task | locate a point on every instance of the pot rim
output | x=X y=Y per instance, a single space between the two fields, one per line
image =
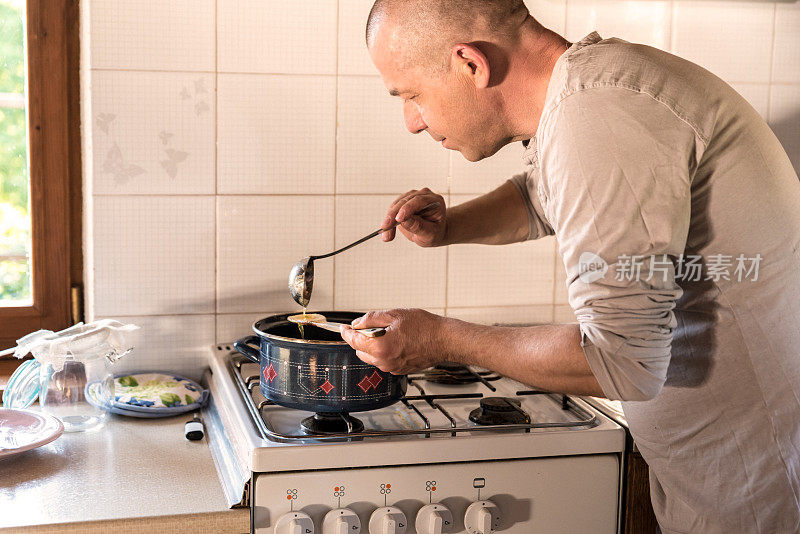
x=261 y=333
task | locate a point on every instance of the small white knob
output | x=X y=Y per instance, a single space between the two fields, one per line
x=482 y=517
x=434 y=519
x=388 y=520
x=341 y=521
x=294 y=523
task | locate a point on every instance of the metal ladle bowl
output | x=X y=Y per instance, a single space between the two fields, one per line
x=301 y=277
x=301 y=281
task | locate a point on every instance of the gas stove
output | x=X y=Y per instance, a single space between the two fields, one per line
x=465 y=450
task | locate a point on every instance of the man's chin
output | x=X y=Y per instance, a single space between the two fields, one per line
x=471 y=155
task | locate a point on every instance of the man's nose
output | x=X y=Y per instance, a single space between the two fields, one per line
x=413 y=118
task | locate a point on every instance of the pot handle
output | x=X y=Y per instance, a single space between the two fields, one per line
x=245 y=347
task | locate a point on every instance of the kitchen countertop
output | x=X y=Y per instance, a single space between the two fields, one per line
x=129 y=475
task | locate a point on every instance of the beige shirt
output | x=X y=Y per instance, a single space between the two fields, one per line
x=643 y=157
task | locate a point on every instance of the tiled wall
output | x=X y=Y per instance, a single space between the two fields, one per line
x=225 y=139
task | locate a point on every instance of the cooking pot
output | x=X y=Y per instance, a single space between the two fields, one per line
x=319 y=374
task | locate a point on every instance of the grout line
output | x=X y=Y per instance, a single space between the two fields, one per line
x=249 y=73
x=251 y=195
x=335 y=155
x=447 y=269
x=772 y=60
x=275 y=311
x=216 y=165
x=672 y=27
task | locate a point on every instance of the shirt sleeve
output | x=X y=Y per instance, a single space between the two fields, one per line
x=618 y=174
x=527 y=185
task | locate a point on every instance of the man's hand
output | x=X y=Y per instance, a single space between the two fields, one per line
x=409 y=344
x=425 y=229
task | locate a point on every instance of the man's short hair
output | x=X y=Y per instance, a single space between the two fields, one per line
x=429 y=28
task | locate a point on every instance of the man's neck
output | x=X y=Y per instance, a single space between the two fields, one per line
x=530 y=68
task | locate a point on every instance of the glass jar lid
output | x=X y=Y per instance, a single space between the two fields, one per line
x=23 y=386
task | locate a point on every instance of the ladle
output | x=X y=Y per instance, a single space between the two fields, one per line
x=301 y=277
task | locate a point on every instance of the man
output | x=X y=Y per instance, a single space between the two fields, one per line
x=635 y=157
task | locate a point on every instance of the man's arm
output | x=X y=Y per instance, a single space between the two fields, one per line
x=496 y=218
x=548 y=357
x=508 y=214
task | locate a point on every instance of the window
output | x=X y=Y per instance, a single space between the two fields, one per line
x=15 y=220
x=40 y=254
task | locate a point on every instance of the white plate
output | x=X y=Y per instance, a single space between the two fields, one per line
x=23 y=430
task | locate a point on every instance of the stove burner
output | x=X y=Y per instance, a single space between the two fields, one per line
x=499 y=411
x=450 y=373
x=331 y=423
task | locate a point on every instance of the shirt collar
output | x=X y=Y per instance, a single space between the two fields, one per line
x=529 y=155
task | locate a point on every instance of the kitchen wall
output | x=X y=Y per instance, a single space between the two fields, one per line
x=226 y=139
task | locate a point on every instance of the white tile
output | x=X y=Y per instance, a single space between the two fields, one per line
x=550 y=13
x=153 y=255
x=757 y=94
x=259 y=239
x=784 y=118
x=632 y=20
x=506 y=275
x=153 y=132
x=786 y=66
x=563 y=314
x=487 y=174
x=152 y=34
x=703 y=32
x=233 y=326
x=353 y=54
x=277 y=36
x=561 y=295
x=508 y=315
x=169 y=343
x=276 y=134
x=375 y=152
x=376 y=275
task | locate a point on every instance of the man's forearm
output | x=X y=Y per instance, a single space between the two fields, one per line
x=549 y=357
x=496 y=218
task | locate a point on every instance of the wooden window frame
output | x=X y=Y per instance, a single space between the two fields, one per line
x=53 y=89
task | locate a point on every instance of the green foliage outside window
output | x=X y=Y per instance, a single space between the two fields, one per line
x=15 y=225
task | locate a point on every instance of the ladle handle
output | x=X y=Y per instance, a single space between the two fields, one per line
x=334 y=327
x=370 y=236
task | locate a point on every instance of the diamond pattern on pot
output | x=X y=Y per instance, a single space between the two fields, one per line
x=326 y=387
x=375 y=378
x=270 y=373
x=365 y=384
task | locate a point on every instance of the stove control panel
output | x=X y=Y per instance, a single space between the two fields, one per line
x=341 y=521
x=547 y=495
x=388 y=520
x=294 y=523
x=434 y=519
x=482 y=517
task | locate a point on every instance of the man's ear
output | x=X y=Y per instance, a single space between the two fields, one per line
x=471 y=62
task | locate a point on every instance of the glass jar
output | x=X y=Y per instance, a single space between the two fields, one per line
x=76 y=388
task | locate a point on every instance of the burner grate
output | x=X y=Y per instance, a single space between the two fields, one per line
x=260 y=412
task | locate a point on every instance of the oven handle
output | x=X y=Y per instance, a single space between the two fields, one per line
x=245 y=346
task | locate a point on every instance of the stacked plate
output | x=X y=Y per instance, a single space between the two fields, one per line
x=148 y=394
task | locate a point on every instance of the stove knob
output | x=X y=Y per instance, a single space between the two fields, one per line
x=387 y=520
x=482 y=517
x=341 y=521
x=434 y=519
x=294 y=523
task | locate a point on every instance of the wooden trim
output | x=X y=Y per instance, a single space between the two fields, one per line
x=55 y=176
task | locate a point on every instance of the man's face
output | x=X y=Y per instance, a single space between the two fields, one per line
x=445 y=104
